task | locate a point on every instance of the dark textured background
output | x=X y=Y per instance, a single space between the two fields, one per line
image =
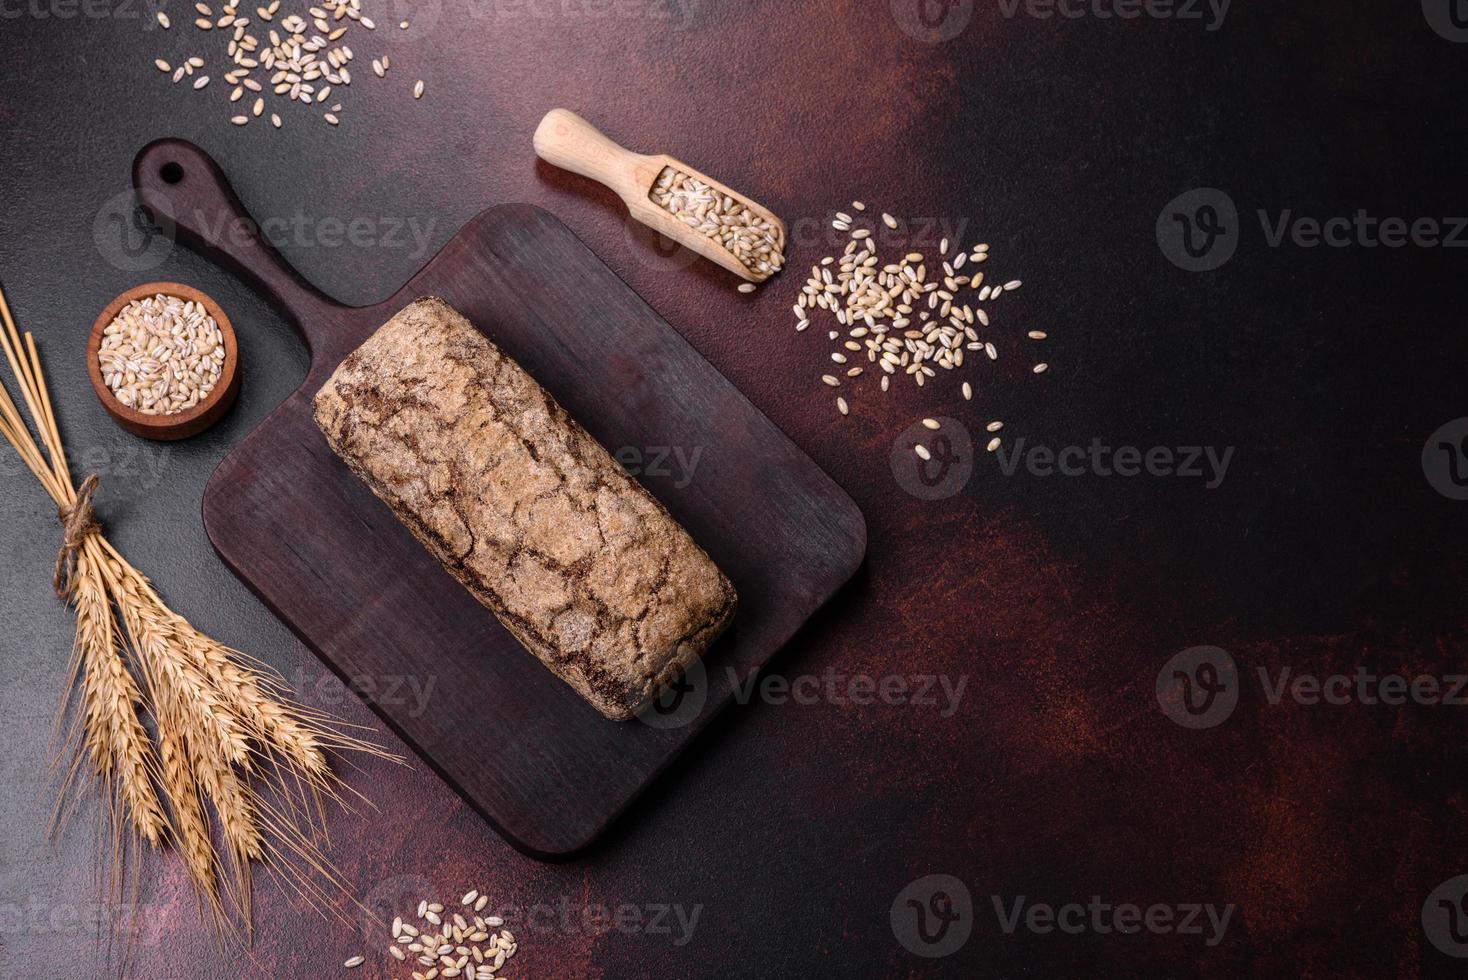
x=794 y=827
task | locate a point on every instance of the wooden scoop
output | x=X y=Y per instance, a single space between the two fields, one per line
x=570 y=142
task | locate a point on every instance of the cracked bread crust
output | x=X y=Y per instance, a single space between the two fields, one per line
x=524 y=507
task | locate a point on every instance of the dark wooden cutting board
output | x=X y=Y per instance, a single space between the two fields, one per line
x=333 y=562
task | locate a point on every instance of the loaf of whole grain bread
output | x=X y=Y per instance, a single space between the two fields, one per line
x=524 y=507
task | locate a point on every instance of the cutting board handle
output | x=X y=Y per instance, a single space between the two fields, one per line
x=186 y=194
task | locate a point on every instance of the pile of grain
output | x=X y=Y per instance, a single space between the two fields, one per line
x=161 y=355
x=902 y=318
x=469 y=944
x=304 y=59
x=750 y=238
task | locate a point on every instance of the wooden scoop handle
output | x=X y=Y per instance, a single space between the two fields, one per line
x=571 y=143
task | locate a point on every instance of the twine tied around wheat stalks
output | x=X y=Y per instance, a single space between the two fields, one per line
x=78 y=522
x=232 y=771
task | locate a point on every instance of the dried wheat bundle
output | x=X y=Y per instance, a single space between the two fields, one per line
x=221 y=723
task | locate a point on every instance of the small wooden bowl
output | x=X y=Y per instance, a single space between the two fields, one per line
x=183 y=424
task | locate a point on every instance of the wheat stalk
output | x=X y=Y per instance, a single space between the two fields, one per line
x=221 y=717
x=121 y=754
x=207 y=717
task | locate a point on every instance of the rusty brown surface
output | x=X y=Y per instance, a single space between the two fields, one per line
x=792 y=828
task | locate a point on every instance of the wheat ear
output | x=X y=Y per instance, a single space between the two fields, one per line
x=221 y=717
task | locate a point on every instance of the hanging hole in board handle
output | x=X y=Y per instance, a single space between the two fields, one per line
x=171 y=172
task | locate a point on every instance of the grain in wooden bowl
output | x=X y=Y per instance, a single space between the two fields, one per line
x=164 y=361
